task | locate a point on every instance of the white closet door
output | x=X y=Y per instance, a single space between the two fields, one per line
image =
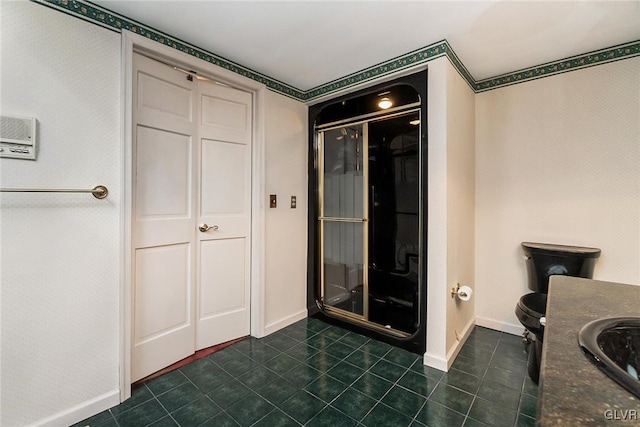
x=164 y=216
x=225 y=134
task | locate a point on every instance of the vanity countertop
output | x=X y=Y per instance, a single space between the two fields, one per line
x=573 y=391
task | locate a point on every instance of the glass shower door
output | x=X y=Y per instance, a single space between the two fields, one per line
x=369 y=185
x=394 y=225
x=343 y=219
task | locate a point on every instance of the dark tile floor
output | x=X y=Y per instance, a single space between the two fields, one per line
x=314 y=374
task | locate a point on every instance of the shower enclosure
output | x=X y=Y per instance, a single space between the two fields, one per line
x=366 y=234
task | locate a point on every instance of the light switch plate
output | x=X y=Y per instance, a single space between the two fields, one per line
x=293 y=202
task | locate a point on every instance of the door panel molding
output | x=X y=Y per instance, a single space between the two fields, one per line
x=147 y=290
x=154 y=190
x=223 y=253
x=225 y=161
x=155 y=94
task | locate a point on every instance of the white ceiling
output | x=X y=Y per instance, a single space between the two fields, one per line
x=309 y=43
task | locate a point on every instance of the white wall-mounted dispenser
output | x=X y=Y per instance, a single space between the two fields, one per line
x=18 y=137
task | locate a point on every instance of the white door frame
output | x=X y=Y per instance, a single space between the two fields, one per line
x=131 y=42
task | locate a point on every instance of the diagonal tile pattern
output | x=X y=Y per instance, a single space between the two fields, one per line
x=315 y=374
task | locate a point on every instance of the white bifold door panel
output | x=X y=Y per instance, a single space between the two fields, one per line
x=192 y=167
x=225 y=206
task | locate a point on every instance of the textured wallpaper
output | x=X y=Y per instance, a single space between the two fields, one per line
x=60 y=266
x=558 y=161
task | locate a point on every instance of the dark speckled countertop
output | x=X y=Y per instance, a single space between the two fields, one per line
x=573 y=392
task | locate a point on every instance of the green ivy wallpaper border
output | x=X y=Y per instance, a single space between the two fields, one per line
x=95 y=14
x=101 y=16
x=409 y=60
x=602 y=56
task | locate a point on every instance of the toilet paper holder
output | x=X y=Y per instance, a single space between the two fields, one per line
x=456 y=291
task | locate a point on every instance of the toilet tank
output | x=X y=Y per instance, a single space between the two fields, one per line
x=544 y=260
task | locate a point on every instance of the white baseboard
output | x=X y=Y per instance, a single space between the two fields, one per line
x=435 y=362
x=444 y=363
x=510 y=328
x=80 y=412
x=462 y=338
x=283 y=323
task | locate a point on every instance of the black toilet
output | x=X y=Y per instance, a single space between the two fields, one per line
x=544 y=260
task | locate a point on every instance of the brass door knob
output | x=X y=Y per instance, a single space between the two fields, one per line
x=205 y=227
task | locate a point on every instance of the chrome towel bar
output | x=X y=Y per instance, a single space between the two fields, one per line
x=99 y=191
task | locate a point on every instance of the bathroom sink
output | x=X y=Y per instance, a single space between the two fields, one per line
x=613 y=345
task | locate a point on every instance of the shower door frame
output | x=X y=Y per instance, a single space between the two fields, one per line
x=321 y=219
x=417 y=341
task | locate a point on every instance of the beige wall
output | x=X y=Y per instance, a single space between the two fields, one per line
x=286 y=229
x=558 y=161
x=460 y=205
x=450 y=256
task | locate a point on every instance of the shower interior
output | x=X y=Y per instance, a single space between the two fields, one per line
x=368 y=215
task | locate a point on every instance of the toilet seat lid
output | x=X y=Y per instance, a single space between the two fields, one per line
x=534 y=304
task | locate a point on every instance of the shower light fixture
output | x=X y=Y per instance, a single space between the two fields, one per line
x=385 y=103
